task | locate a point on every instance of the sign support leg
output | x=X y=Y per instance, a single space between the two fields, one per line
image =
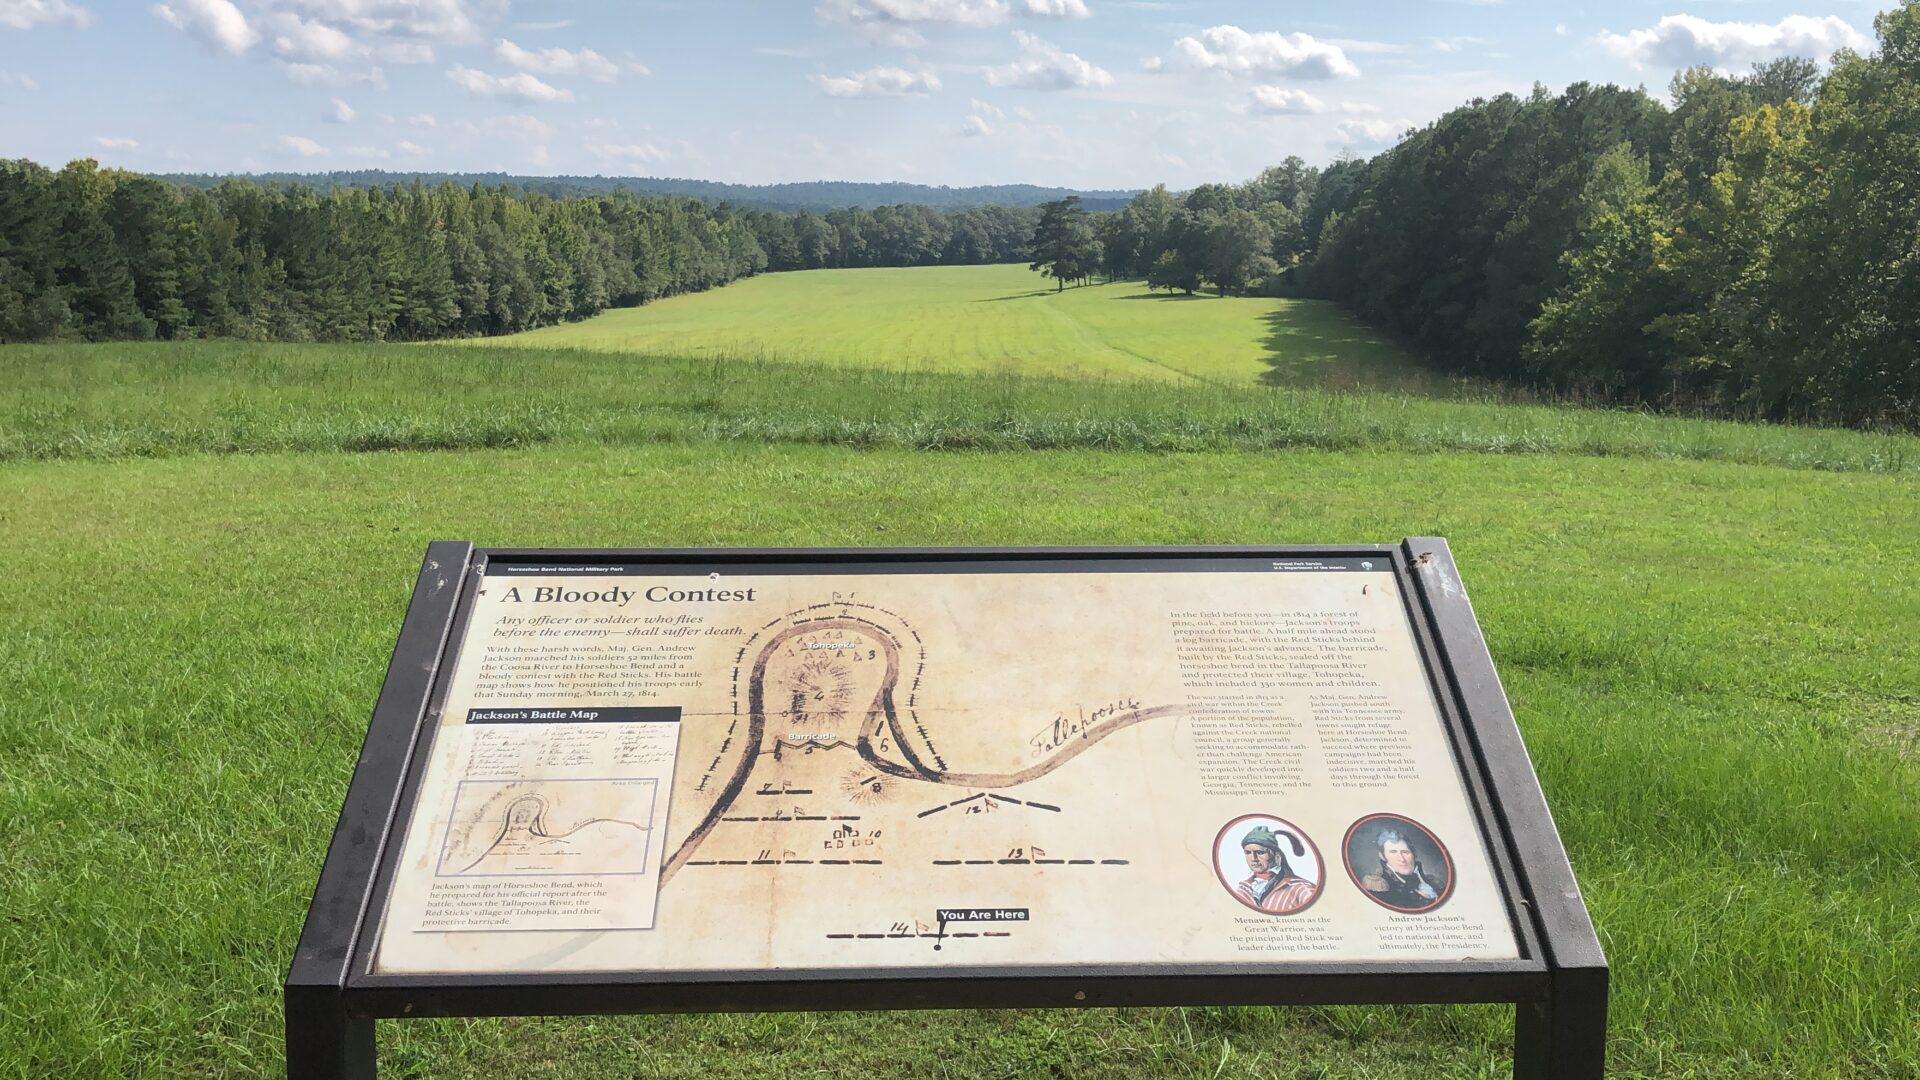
x=323 y=1041
x=1562 y=1035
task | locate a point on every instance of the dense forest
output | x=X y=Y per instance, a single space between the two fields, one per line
x=1753 y=248
x=814 y=196
x=94 y=254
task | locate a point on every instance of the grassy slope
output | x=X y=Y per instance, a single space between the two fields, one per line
x=1002 y=320
x=108 y=401
x=1713 y=664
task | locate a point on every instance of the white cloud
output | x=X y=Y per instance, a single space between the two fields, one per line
x=1372 y=133
x=958 y=12
x=521 y=87
x=1058 y=9
x=18 y=80
x=302 y=145
x=405 y=52
x=1278 y=100
x=582 y=62
x=420 y=20
x=986 y=108
x=1043 y=66
x=306 y=74
x=974 y=126
x=1235 y=51
x=637 y=153
x=340 y=113
x=422 y=120
x=304 y=39
x=27 y=14
x=1678 y=41
x=516 y=126
x=520 y=131
x=878 y=82
x=113 y=142
x=410 y=148
x=552 y=24
x=216 y=22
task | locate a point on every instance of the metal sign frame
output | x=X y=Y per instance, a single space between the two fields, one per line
x=1558 y=984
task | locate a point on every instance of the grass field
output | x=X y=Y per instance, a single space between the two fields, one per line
x=1706 y=629
x=1002 y=320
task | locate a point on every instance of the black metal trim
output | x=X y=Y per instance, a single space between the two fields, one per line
x=1559 y=984
x=323 y=1039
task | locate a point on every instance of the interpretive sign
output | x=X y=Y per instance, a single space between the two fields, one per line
x=726 y=780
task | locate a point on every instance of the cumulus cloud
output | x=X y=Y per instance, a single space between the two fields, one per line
x=308 y=74
x=582 y=62
x=27 y=14
x=1279 y=101
x=1235 y=51
x=1058 y=9
x=973 y=126
x=1678 y=41
x=302 y=145
x=521 y=87
x=632 y=153
x=340 y=113
x=897 y=23
x=216 y=22
x=451 y=21
x=1043 y=66
x=878 y=82
x=525 y=132
x=410 y=148
x=1372 y=133
x=114 y=142
x=881 y=12
x=405 y=52
x=304 y=39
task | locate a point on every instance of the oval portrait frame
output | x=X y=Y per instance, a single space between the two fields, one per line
x=1346 y=860
x=1319 y=887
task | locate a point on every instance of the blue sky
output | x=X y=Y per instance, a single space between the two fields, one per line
x=1083 y=93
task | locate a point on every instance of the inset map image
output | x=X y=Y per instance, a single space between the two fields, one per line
x=505 y=827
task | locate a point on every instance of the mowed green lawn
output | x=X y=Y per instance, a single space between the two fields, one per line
x=1714 y=665
x=1003 y=320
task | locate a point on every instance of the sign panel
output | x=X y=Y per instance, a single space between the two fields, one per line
x=763 y=768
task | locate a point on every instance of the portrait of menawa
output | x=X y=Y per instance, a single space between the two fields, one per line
x=1274 y=884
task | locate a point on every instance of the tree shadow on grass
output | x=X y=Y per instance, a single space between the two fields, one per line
x=1016 y=296
x=1311 y=345
x=1166 y=297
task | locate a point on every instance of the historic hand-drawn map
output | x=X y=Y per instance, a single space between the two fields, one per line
x=664 y=770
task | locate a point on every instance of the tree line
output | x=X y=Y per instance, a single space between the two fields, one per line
x=1753 y=247
x=99 y=254
x=816 y=196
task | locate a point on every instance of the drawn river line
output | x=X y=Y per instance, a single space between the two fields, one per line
x=880 y=713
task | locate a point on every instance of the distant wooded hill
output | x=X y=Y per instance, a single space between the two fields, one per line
x=817 y=196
